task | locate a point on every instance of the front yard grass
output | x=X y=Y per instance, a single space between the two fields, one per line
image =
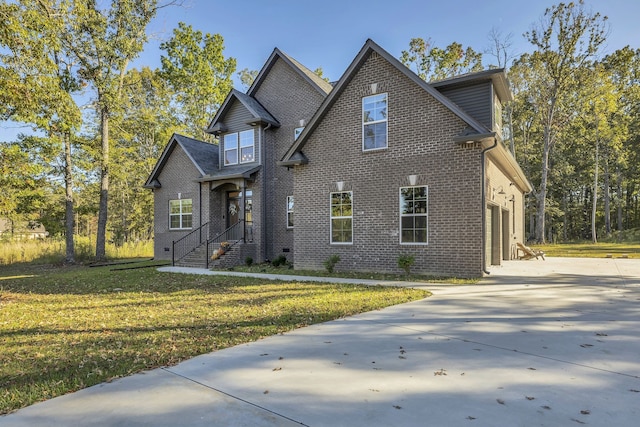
x=286 y=270
x=591 y=250
x=66 y=328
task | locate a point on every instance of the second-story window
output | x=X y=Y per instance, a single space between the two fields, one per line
x=247 y=146
x=239 y=147
x=374 y=122
x=231 y=149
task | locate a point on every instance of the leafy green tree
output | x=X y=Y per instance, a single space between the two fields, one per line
x=565 y=40
x=37 y=84
x=144 y=128
x=102 y=41
x=433 y=63
x=199 y=75
x=247 y=77
x=623 y=67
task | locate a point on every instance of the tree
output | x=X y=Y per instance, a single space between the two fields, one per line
x=566 y=38
x=199 y=75
x=434 y=63
x=37 y=84
x=623 y=67
x=144 y=127
x=500 y=47
x=103 y=41
x=247 y=77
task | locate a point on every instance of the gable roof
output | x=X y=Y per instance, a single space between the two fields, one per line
x=290 y=158
x=257 y=111
x=312 y=78
x=203 y=155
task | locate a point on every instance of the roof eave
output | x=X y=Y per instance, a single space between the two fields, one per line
x=297 y=159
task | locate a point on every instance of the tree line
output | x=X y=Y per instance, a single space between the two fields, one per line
x=98 y=126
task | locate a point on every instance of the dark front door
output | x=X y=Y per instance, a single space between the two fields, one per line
x=234 y=199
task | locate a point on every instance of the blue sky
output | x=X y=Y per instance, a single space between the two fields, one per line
x=329 y=33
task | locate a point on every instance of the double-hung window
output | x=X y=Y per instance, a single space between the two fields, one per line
x=342 y=217
x=289 y=211
x=374 y=122
x=180 y=214
x=414 y=215
x=247 y=146
x=243 y=153
x=231 y=149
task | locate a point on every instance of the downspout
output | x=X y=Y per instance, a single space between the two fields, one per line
x=484 y=207
x=263 y=213
x=200 y=208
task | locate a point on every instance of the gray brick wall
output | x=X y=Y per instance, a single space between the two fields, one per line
x=420 y=143
x=178 y=176
x=289 y=98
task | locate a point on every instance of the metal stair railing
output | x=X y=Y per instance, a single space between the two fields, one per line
x=188 y=243
x=238 y=232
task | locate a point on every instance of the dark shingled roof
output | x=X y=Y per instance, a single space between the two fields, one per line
x=205 y=157
x=259 y=113
x=203 y=154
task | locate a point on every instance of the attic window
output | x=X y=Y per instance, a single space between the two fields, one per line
x=374 y=122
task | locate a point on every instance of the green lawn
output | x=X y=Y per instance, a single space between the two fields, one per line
x=591 y=250
x=270 y=269
x=66 y=328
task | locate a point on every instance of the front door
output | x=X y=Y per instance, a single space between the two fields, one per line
x=234 y=199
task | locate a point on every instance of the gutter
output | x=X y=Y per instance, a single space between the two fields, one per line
x=484 y=207
x=263 y=214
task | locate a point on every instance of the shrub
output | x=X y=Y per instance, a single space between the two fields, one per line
x=405 y=262
x=279 y=260
x=331 y=262
x=248 y=261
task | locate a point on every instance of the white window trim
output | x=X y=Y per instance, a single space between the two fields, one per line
x=331 y=218
x=290 y=211
x=180 y=215
x=236 y=148
x=426 y=214
x=386 y=120
x=297 y=131
x=253 y=146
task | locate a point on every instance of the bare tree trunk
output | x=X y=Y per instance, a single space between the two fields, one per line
x=619 y=192
x=607 y=199
x=70 y=252
x=546 y=152
x=542 y=195
x=565 y=217
x=104 y=187
x=594 y=237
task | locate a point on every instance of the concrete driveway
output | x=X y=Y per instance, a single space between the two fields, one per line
x=539 y=343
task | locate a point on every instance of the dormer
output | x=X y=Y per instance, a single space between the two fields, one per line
x=237 y=124
x=481 y=95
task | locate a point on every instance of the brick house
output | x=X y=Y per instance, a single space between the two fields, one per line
x=234 y=191
x=380 y=165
